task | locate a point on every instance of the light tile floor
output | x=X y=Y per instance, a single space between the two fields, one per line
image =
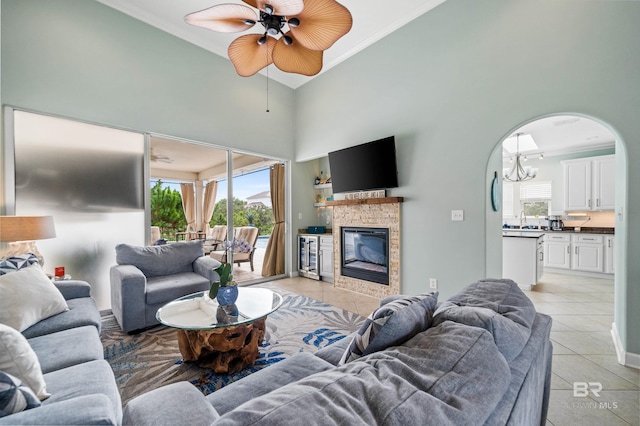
x=326 y=292
x=582 y=310
x=583 y=351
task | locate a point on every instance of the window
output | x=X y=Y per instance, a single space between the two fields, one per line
x=535 y=198
x=507 y=200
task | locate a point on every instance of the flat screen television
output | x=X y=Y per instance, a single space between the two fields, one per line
x=364 y=167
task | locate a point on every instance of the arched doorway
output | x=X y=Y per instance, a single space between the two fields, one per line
x=564 y=125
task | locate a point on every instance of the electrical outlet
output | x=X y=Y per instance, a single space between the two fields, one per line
x=433 y=283
x=299 y=216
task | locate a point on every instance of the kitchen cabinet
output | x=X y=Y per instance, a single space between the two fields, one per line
x=579 y=252
x=557 y=251
x=540 y=258
x=326 y=258
x=587 y=253
x=589 y=183
x=604 y=181
x=609 y=260
x=523 y=258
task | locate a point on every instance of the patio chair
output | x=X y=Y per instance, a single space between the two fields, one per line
x=214 y=238
x=155 y=234
x=246 y=233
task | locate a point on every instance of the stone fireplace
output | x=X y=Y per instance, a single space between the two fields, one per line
x=377 y=221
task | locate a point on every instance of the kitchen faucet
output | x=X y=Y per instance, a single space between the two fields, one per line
x=523 y=218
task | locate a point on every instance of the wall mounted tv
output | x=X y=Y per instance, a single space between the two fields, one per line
x=364 y=167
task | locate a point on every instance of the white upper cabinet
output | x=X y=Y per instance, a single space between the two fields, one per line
x=604 y=180
x=589 y=183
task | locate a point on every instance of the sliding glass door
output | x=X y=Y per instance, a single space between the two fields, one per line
x=231 y=207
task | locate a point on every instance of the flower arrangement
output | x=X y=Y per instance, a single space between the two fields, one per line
x=226 y=279
x=237 y=245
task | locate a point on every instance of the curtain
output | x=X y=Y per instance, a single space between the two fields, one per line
x=188 y=204
x=274 y=255
x=208 y=205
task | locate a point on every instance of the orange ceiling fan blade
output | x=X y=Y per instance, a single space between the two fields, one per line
x=225 y=18
x=249 y=57
x=322 y=23
x=296 y=58
x=280 y=7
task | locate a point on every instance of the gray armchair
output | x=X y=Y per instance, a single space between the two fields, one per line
x=146 y=278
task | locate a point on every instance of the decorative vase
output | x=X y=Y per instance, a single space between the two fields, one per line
x=227 y=295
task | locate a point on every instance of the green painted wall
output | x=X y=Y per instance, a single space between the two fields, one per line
x=451 y=86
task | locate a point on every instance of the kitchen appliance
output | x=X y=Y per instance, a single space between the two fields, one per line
x=308 y=256
x=555 y=223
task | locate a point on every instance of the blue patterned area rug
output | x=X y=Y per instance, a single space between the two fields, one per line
x=151 y=359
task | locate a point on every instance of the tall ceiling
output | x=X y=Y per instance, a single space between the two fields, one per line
x=372 y=20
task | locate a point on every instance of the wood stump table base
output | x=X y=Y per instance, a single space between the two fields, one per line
x=224 y=350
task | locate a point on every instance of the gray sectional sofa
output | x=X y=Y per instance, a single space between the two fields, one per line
x=68 y=347
x=482 y=357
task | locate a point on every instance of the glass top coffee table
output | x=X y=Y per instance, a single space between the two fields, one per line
x=223 y=338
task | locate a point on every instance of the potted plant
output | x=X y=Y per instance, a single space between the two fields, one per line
x=225 y=290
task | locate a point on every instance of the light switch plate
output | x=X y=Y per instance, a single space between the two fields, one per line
x=457 y=215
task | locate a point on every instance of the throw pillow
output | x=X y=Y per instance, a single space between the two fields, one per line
x=15 y=396
x=28 y=296
x=18 y=359
x=392 y=324
x=15 y=263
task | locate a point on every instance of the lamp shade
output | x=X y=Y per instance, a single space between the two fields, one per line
x=26 y=228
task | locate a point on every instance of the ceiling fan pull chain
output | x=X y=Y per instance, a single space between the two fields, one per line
x=267 y=88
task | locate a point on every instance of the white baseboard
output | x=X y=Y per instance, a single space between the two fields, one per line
x=627 y=359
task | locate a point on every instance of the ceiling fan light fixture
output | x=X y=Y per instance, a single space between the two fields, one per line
x=248 y=56
x=296 y=58
x=224 y=18
x=313 y=24
x=321 y=24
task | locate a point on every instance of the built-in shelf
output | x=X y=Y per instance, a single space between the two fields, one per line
x=385 y=200
x=323 y=204
x=322 y=186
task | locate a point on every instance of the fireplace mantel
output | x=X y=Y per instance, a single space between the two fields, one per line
x=385 y=200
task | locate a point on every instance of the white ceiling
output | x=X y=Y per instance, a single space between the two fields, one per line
x=372 y=20
x=566 y=134
x=192 y=161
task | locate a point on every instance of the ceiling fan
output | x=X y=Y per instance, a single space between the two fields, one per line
x=296 y=32
x=160 y=158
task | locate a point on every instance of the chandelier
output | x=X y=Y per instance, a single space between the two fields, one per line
x=295 y=33
x=518 y=172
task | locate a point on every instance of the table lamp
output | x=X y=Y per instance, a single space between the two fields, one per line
x=22 y=231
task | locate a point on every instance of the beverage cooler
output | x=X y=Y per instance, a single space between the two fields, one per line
x=308 y=255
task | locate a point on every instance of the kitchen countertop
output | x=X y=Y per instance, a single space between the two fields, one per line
x=535 y=233
x=524 y=233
